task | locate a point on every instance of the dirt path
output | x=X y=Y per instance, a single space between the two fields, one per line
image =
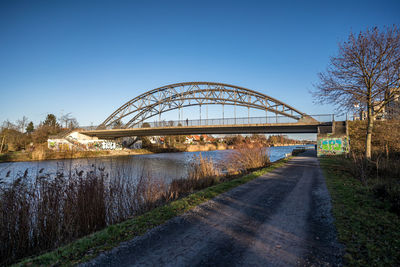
x=280 y=219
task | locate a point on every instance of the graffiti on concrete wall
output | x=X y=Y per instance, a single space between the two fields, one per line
x=69 y=144
x=333 y=146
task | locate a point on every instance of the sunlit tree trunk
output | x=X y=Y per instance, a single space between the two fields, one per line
x=368 y=138
x=370 y=120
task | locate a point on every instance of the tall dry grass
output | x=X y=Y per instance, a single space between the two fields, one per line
x=45 y=212
x=247 y=156
x=380 y=174
x=41 y=213
x=202 y=173
x=379 y=167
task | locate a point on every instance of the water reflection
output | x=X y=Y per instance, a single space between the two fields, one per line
x=166 y=166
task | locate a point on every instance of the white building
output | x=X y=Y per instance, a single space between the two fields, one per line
x=77 y=141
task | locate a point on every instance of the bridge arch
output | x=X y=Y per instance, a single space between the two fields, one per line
x=181 y=95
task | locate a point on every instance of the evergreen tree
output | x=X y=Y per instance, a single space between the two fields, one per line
x=30 y=128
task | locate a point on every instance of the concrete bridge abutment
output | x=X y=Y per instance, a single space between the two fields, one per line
x=333 y=140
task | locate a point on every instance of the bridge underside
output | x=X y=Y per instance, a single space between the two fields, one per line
x=275 y=128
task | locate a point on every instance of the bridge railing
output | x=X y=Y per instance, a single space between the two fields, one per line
x=234 y=121
x=227 y=121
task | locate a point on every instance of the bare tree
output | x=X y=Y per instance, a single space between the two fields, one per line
x=22 y=123
x=64 y=119
x=11 y=137
x=5 y=132
x=9 y=125
x=365 y=73
x=67 y=121
x=73 y=123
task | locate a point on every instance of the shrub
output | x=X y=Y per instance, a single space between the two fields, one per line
x=202 y=173
x=247 y=156
x=388 y=190
x=381 y=175
x=44 y=212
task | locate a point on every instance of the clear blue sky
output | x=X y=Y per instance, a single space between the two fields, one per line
x=90 y=57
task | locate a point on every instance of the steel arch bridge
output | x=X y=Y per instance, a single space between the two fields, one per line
x=181 y=95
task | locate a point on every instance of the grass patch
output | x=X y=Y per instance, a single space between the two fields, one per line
x=90 y=246
x=366 y=225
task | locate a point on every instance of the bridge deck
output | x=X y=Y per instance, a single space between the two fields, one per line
x=271 y=128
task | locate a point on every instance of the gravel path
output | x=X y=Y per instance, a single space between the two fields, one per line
x=280 y=219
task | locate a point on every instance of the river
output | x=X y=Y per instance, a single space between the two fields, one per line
x=166 y=166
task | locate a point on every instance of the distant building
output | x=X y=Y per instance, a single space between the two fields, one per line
x=390 y=111
x=207 y=138
x=73 y=140
x=188 y=140
x=393 y=108
x=192 y=139
x=195 y=139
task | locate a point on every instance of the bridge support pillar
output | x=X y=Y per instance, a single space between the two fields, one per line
x=333 y=140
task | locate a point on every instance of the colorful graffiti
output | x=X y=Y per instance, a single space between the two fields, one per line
x=68 y=144
x=333 y=146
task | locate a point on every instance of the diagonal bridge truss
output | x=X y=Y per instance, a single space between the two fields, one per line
x=181 y=95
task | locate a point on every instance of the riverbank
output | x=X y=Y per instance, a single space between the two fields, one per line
x=90 y=246
x=52 y=155
x=46 y=154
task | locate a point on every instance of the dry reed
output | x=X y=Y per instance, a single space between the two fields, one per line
x=202 y=173
x=45 y=212
x=381 y=175
x=41 y=213
x=247 y=157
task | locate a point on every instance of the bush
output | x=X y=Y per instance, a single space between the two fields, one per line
x=247 y=156
x=202 y=173
x=380 y=175
x=388 y=190
x=384 y=138
x=44 y=212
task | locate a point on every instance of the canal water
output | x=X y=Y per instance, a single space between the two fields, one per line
x=165 y=166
